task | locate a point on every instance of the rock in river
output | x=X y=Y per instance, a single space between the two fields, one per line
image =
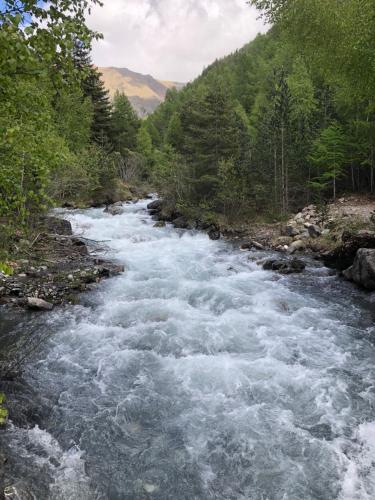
x=284 y=266
x=155 y=205
x=115 y=209
x=362 y=271
x=343 y=256
x=214 y=234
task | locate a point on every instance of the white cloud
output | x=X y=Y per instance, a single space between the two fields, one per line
x=171 y=39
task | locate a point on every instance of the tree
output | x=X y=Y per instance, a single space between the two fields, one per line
x=328 y=154
x=73 y=118
x=44 y=31
x=125 y=124
x=208 y=126
x=144 y=143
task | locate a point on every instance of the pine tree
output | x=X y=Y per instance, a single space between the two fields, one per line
x=125 y=124
x=144 y=143
x=328 y=154
x=207 y=120
x=93 y=87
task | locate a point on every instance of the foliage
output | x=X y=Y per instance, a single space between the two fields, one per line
x=6 y=269
x=125 y=124
x=266 y=129
x=61 y=140
x=328 y=153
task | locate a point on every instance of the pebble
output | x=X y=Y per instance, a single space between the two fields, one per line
x=150 y=488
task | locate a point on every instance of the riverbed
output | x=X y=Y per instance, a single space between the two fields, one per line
x=197 y=375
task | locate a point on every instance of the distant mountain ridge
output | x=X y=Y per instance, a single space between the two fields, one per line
x=144 y=91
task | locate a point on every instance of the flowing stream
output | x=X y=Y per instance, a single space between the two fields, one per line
x=196 y=375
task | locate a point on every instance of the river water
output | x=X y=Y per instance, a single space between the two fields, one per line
x=197 y=375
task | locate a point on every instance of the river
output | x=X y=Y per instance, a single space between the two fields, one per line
x=196 y=375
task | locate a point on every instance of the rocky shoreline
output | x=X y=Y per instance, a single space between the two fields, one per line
x=342 y=235
x=59 y=266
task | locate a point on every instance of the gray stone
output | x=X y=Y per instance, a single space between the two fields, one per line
x=291 y=230
x=39 y=304
x=214 y=234
x=155 y=205
x=257 y=245
x=160 y=223
x=314 y=231
x=115 y=209
x=284 y=266
x=296 y=245
x=362 y=271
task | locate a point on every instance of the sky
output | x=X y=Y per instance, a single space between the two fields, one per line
x=171 y=39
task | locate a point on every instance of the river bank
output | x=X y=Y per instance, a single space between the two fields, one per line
x=332 y=233
x=59 y=266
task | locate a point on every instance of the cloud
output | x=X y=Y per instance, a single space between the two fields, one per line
x=171 y=39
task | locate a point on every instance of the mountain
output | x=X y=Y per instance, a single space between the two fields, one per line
x=144 y=91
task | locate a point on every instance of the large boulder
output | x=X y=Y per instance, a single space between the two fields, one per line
x=343 y=256
x=284 y=266
x=362 y=271
x=155 y=205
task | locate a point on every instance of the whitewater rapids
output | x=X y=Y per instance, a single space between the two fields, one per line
x=196 y=375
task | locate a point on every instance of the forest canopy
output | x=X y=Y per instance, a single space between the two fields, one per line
x=286 y=120
x=62 y=140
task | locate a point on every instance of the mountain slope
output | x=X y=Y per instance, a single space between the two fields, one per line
x=144 y=92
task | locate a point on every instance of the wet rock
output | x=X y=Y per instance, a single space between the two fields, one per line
x=214 y=234
x=296 y=245
x=155 y=205
x=321 y=431
x=115 y=209
x=284 y=266
x=160 y=223
x=203 y=226
x=38 y=304
x=109 y=270
x=181 y=223
x=343 y=256
x=362 y=271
